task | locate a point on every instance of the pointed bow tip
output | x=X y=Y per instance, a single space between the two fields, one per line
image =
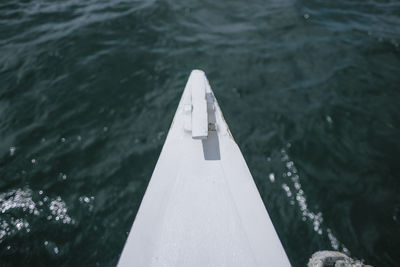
x=198 y=71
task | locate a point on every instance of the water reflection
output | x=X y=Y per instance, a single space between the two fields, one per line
x=18 y=199
x=58 y=210
x=12 y=151
x=293 y=189
x=18 y=208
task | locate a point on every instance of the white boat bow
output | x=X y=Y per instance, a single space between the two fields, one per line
x=201 y=207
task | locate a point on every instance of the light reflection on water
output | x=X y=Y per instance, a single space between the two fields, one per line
x=293 y=189
x=16 y=200
x=58 y=210
x=18 y=208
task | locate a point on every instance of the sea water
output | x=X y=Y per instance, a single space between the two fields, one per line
x=88 y=89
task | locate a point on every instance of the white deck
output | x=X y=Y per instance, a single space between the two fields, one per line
x=201 y=207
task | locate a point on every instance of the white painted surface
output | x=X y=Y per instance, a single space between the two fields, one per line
x=201 y=207
x=196 y=85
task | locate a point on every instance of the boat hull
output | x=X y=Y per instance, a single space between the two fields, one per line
x=201 y=207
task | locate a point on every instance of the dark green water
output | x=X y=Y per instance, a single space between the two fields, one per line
x=310 y=90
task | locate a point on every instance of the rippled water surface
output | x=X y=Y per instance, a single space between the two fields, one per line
x=309 y=88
